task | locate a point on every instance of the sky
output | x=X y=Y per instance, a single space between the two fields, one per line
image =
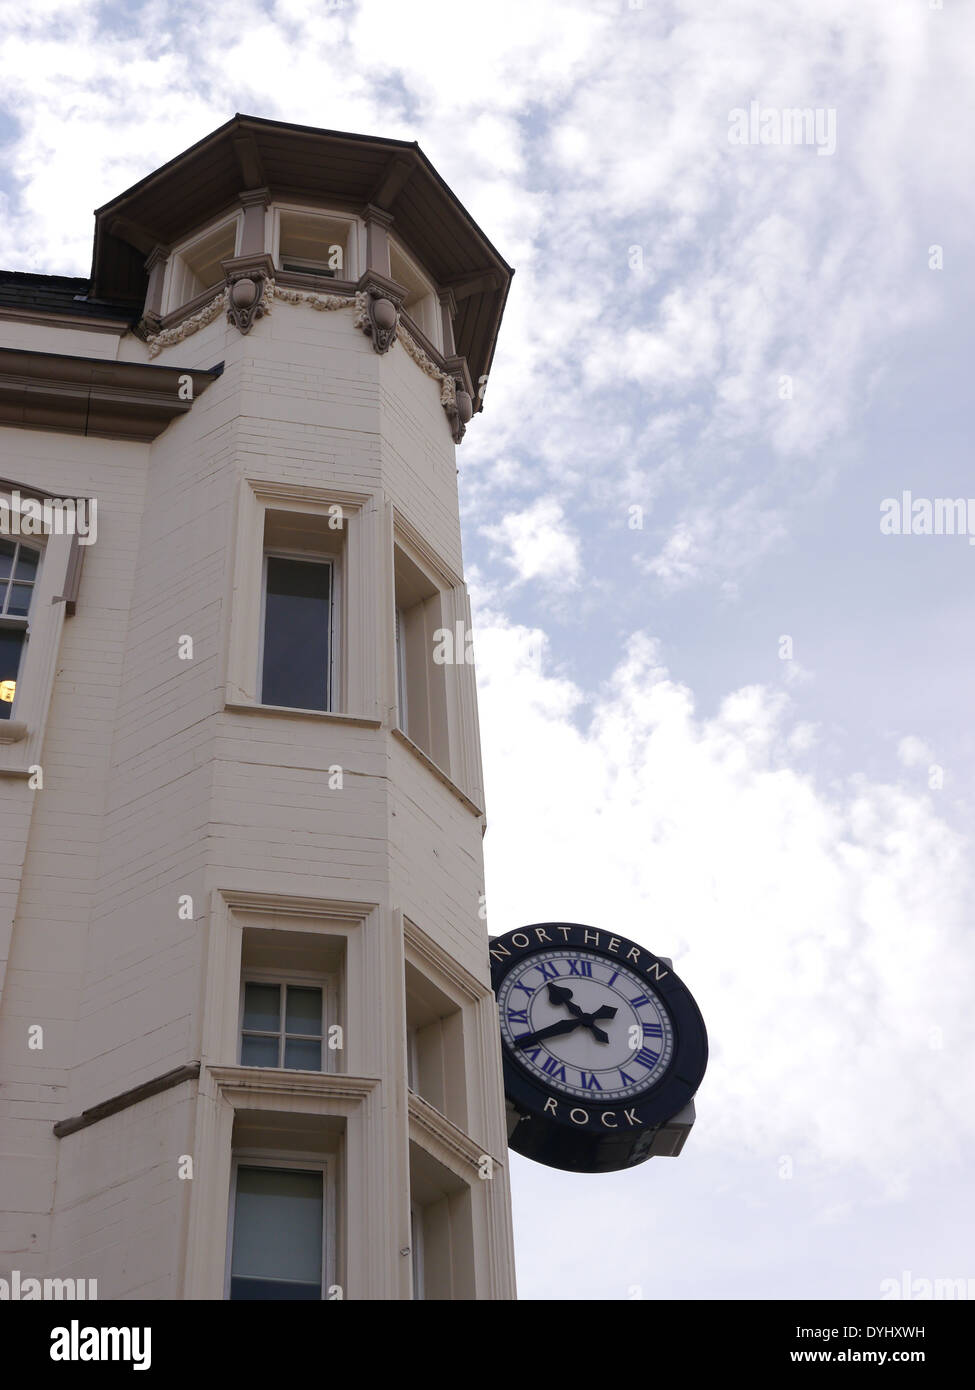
x=722 y=711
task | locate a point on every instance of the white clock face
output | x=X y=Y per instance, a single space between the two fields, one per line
x=585 y=1024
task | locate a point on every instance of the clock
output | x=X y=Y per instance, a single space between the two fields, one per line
x=603 y=1047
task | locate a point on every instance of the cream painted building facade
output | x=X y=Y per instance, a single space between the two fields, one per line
x=248 y=1045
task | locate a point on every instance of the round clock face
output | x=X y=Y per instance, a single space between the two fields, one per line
x=585 y=1025
x=603 y=1047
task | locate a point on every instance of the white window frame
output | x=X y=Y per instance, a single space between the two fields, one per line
x=416 y=1249
x=17 y=622
x=298 y=1162
x=176 y=263
x=333 y=634
x=301 y=979
x=433 y=327
x=351 y=269
x=402 y=708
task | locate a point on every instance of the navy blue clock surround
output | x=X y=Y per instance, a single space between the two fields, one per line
x=598 y=1136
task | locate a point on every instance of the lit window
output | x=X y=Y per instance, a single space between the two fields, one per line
x=297 y=648
x=283 y=1026
x=19 y=565
x=278 y=1238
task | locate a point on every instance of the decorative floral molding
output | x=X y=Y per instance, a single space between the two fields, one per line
x=362 y=304
x=317 y=301
x=157 y=341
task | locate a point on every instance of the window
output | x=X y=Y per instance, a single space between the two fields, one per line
x=420 y=302
x=283 y=1025
x=420 y=681
x=196 y=266
x=442 y=1244
x=435 y=1046
x=297 y=646
x=279 y=1234
x=313 y=243
x=19 y=567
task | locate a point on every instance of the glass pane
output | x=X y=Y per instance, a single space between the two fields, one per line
x=296 y=634
x=278 y=1233
x=262 y=1008
x=302 y=1056
x=11 y=645
x=7 y=549
x=258 y=1052
x=303 y=1011
x=26 y=564
x=19 y=602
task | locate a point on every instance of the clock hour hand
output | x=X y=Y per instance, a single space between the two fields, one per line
x=558 y=994
x=554 y=1030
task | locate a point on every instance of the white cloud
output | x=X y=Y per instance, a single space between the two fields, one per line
x=538 y=543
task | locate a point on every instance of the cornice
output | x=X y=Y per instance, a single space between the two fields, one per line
x=444 y=1141
x=434 y=957
x=270 y=1081
x=91 y=396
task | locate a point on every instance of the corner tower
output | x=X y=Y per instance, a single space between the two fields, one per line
x=242 y=900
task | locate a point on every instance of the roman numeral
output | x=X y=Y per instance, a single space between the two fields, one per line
x=653 y=1030
x=549 y=971
x=613 y=976
x=518 y=1016
x=553 y=1068
x=626 y=1080
x=648 y=1058
x=640 y=1000
x=525 y=990
x=589 y=1082
x=580 y=967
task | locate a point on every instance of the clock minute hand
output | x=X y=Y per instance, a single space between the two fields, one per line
x=565 y=1025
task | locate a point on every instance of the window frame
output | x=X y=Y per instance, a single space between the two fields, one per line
x=176 y=265
x=352 y=260
x=20 y=622
x=299 y=979
x=333 y=674
x=287 y=1160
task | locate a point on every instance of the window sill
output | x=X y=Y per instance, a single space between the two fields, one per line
x=12 y=730
x=328 y=1085
x=329 y=716
x=437 y=771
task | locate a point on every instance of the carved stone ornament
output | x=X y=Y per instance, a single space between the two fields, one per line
x=459 y=412
x=378 y=317
x=249 y=299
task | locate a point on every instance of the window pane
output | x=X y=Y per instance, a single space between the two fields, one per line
x=296 y=634
x=19 y=602
x=7 y=549
x=302 y=1056
x=277 y=1250
x=26 y=564
x=258 y=1052
x=262 y=1008
x=11 y=645
x=304 y=1011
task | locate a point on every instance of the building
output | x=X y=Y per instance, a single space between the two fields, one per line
x=248 y=1046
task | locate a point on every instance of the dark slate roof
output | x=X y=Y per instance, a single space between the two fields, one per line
x=57 y=294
